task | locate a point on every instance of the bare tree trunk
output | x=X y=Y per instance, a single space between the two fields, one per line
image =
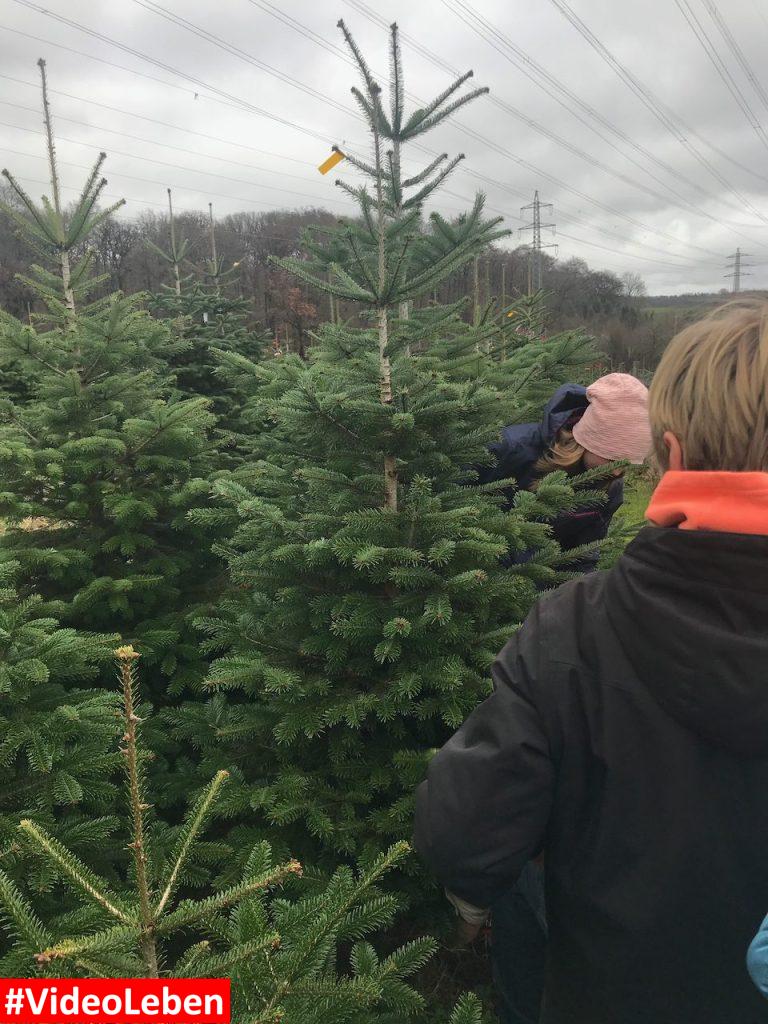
x=176 y=276
x=214 y=254
x=385 y=369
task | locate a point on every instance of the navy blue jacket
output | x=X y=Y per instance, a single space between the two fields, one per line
x=522 y=444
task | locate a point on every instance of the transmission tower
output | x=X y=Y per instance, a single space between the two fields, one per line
x=736 y=269
x=534 y=252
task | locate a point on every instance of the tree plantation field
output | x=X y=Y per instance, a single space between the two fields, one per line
x=250 y=583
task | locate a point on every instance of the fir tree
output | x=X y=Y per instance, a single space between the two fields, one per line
x=371 y=595
x=279 y=953
x=102 y=453
x=206 y=316
x=56 y=731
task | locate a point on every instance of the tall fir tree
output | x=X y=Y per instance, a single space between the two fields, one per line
x=102 y=455
x=371 y=596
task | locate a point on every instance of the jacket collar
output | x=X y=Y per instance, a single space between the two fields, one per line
x=718 y=501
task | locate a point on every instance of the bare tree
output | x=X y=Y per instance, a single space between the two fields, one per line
x=633 y=285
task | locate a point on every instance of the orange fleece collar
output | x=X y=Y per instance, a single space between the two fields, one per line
x=724 y=502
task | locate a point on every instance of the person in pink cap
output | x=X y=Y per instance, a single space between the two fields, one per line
x=581 y=428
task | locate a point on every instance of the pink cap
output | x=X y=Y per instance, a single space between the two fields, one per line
x=615 y=424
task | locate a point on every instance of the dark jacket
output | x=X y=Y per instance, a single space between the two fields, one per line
x=627 y=736
x=521 y=445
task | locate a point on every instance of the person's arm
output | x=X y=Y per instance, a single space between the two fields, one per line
x=483 y=811
x=757 y=958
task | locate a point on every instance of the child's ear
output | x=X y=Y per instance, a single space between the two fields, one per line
x=676 y=459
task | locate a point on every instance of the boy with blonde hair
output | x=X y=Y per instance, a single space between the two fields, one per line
x=627 y=734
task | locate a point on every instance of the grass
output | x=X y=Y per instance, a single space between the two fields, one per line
x=637 y=496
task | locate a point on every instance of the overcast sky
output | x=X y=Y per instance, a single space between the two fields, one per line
x=243 y=120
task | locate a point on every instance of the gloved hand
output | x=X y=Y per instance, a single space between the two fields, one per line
x=465 y=933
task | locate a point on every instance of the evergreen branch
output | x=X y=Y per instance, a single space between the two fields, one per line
x=223 y=964
x=126 y=659
x=421 y=115
x=102 y=215
x=20 y=915
x=390 y=290
x=356 y=162
x=422 y=175
x=360 y=260
x=353 y=291
x=396 y=80
x=85 y=203
x=449 y=260
x=191 y=912
x=430 y=186
x=380 y=867
x=451 y=109
x=110 y=939
x=351 y=190
x=365 y=71
x=190 y=830
x=93 y=886
x=31 y=207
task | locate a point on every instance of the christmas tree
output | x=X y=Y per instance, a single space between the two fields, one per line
x=206 y=317
x=279 y=953
x=371 y=598
x=103 y=456
x=56 y=731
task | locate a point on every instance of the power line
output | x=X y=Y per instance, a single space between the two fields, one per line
x=232 y=99
x=670 y=121
x=720 y=66
x=228 y=47
x=179 y=167
x=377 y=19
x=476 y=174
x=301 y=128
x=547 y=82
x=164 y=184
x=297 y=26
x=236 y=51
x=736 y=50
x=151 y=78
x=474 y=134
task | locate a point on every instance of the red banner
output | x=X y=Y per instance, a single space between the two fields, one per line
x=114 y=1000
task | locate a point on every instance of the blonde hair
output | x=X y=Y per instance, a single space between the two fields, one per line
x=711 y=391
x=565 y=453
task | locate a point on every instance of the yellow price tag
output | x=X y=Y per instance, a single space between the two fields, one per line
x=335 y=158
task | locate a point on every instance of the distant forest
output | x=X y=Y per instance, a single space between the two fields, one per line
x=612 y=308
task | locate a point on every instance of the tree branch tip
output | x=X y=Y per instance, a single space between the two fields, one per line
x=126 y=653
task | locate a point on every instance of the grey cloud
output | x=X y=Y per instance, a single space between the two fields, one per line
x=654 y=42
